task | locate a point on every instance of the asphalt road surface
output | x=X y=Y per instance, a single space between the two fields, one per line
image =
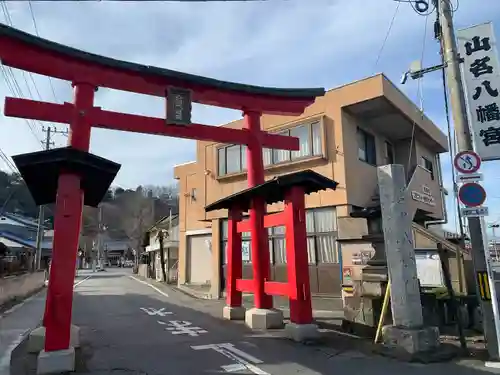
x=131 y=328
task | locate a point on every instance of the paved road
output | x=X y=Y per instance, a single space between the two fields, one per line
x=134 y=329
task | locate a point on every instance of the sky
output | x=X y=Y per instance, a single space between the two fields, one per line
x=282 y=43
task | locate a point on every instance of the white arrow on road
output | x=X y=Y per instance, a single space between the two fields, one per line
x=244 y=360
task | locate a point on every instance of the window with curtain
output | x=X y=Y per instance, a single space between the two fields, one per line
x=246 y=250
x=321 y=228
x=278 y=244
x=281 y=156
x=303 y=134
x=221 y=161
x=233 y=159
x=317 y=148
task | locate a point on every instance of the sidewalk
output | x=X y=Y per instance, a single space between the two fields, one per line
x=16 y=323
x=19 y=320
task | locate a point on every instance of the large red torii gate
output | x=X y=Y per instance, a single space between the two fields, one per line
x=87 y=72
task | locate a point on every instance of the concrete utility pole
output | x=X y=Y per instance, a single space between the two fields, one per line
x=493 y=227
x=464 y=140
x=99 y=238
x=41 y=210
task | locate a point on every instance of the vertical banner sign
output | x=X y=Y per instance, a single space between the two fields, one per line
x=179 y=106
x=481 y=77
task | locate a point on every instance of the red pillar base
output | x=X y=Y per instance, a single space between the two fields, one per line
x=234 y=312
x=262 y=319
x=302 y=332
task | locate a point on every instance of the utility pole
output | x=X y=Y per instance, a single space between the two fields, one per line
x=464 y=141
x=41 y=210
x=495 y=245
x=99 y=238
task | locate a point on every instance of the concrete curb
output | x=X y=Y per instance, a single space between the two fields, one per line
x=7 y=358
x=193 y=293
x=28 y=297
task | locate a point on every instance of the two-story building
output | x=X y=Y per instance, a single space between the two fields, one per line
x=169 y=228
x=344 y=135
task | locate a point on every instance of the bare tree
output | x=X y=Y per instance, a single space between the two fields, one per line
x=163 y=192
x=137 y=216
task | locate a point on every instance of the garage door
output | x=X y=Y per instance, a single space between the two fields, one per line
x=199 y=259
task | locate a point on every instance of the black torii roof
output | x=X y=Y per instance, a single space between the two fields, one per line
x=40 y=171
x=274 y=190
x=156 y=71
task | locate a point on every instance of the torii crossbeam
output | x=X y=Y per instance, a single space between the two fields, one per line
x=87 y=72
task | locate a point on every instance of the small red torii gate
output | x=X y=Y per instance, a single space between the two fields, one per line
x=87 y=72
x=291 y=189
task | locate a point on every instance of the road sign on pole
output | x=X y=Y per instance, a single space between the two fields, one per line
x=467 y=162
x=472 y=194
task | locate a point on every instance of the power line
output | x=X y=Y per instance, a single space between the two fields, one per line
x=38 y=34
x=158 y=1
x=387 y=34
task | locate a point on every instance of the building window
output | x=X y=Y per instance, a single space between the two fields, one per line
x=232 y=159
x=246 y=253
x=427 y=164
x=321 y=227
x=366 y=147
x=389 y=153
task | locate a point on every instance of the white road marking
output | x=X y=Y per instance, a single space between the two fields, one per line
x=151 y=286
x=182 y=327
x=152 y=311
x=235 y=367
x=243 y=360
x=81 y=281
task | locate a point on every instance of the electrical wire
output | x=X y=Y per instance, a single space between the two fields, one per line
x=387 y=34
x=38 y=34
x=419 y=96
x=421 y=7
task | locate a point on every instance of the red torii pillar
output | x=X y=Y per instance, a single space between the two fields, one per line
x=259 y=235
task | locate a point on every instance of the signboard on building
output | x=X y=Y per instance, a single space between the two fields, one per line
x=424 y=196
x=481 y=77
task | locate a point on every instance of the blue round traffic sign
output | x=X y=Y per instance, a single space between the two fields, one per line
x=472 y=194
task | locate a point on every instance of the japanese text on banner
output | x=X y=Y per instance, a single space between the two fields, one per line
x=477 y=47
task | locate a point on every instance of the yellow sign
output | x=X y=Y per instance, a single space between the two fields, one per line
x=484 y=285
